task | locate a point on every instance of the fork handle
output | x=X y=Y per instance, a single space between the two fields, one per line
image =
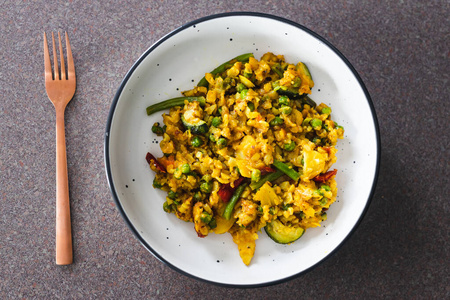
x=64 y=255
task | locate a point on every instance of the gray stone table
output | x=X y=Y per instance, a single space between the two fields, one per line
x=401 y=49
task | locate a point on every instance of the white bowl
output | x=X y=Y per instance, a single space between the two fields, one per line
x=176 y=63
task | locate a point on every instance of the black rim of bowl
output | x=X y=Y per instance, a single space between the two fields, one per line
x=154 y=46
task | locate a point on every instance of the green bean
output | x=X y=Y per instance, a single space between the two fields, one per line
x=268 y=177
x=286 y=170
x=234 y=199
x=241 y=58
x=179 y=101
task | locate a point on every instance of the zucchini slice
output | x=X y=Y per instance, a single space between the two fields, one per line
x=198 y=128
x=282 y=234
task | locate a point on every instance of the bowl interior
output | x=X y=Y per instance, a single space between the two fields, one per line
x=176 y=63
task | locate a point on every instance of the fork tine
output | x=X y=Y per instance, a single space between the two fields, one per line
x=70 y=64
x=47 y=63
x=61 y=59
x=55 y=59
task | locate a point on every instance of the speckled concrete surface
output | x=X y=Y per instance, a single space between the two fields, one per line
x=400 y=250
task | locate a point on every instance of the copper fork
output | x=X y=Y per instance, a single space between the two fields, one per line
x=60 y=88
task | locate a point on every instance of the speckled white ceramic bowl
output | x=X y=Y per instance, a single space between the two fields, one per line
x=175 y=63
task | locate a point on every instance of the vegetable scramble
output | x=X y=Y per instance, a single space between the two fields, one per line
x=247 y=149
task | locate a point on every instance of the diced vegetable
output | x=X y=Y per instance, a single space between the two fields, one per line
x=199 y=127
x=283 y=234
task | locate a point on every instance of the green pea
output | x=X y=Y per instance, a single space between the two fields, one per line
x=185 y=168
x=172 y=195
x=205 y=217
x=177 y=174
x=316 y=123
x=306 y=121
x=156 y=184
x=284 y=100
x=166 y=207
x=244 y=93
x=213 y=223
x=196 y=141
x=251 y=106
x=337 y=126
x=207 y=177
x=276 y=121
x=216 y=121
x=212 y=138
x=220 y=110
x=247 y=74
x=323 y=201
x=290 y=146
x=256 y=175
x=297 y=82
x=206 y=187
x=326 y=187
x=198 y=196
x=317 y=140
x=157 y=129
x=222 y=142
x=240 y=87
x=326 y=110
x=324 y=216
x=286 y=206
x=286 y=110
